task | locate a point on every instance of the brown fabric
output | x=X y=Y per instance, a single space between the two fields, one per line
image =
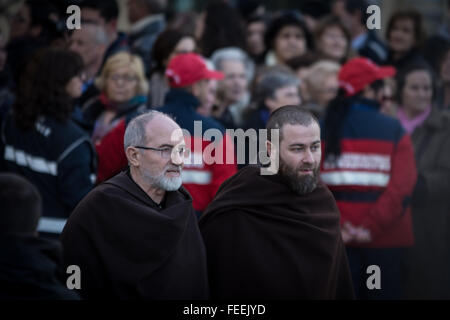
x=265 y=242
x=428 y=262
x=127 y=248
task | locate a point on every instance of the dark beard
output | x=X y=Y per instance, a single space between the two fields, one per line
x=300 y=184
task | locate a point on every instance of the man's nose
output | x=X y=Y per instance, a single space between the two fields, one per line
x=176 y=158
x=308 y=157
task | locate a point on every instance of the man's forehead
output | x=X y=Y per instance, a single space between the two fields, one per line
x=163 y=130
x=293 y=133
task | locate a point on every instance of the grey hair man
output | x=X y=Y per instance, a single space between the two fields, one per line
x=136 y=236
x=90 y=42
x=233 y=91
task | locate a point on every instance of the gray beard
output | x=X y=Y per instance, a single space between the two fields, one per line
x=299 y=184
x=162 y=182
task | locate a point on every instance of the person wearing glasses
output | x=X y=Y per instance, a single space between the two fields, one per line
x=136 y=236
x=123 y=91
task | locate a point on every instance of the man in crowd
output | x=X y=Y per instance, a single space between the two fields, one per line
x=365 y=42
x=136 y=235
x=147 y=22
x=105 y=13
x=278 y=236
x=233 y=91
x=90 y=42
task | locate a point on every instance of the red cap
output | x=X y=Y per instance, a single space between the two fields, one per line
x=187 y=68
x=357 y=73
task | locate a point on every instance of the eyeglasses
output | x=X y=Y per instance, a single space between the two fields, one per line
x=128 y=79
x=167 y=152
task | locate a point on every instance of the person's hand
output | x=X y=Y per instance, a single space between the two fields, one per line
x=362 y=235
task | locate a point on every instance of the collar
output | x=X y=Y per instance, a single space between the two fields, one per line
x=141 y=24
x=182 y=97
x=411 y=124
x=359 y=41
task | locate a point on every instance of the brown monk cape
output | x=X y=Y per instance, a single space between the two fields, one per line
x=263 y=241
x=128 y=249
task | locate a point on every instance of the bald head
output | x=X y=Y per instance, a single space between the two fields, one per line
x=153 y=122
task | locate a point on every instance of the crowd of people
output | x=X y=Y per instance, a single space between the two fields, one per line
x=87 y=119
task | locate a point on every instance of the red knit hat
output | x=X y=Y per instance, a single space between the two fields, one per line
x=187 y=68
x=357 y=73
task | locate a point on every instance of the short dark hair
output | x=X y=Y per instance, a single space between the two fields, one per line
x=290 y=114
x=415 y=17
x=352 y=6
x=21 y=205
x=42 y=87
x=108 y=9
x=164 y=45
x=284 y=19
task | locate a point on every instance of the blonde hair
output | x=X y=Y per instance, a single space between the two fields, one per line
x=119 y=60
x=319 y=72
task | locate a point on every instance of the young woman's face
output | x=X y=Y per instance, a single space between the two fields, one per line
x=74 y=86
x=401 y=37
x=333 y=43
x=290 y=42
x=417 y=92
x=121 y=85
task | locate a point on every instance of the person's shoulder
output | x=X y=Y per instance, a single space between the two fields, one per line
x=209 y=123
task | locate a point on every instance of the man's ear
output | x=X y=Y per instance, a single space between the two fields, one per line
x=269 y=147
x=133 y=156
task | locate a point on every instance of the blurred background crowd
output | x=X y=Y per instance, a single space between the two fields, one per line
x=67 y=95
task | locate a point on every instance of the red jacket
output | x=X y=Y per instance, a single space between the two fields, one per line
x=374 y=177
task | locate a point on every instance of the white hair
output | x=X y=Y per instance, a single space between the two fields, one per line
x=233 y=53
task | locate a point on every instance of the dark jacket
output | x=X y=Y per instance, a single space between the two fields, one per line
x=129 y=248
x=58 y=158
x=263 y=241
x=428 y=261
x=141 y=42
x=30 y=269
x=374 y=49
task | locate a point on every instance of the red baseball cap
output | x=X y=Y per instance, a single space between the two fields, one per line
x=357 y=73
x=187 y=68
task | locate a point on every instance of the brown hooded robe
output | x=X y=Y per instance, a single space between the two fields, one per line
x=263 y=241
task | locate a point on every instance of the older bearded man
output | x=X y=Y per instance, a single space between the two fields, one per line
x=136 y=236
x=277 y=236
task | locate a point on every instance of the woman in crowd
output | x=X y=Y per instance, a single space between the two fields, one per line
x=429 y=260
x=168 y=44
x=255 y=28
x=220 y=26
x=332 y=39
x=322 y=85
x=287 y=37
x=404 y=36
x=42 y=143
x=123 y=88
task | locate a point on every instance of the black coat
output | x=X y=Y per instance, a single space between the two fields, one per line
x=30 y=269
x=265 y=242
x=129 y=248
